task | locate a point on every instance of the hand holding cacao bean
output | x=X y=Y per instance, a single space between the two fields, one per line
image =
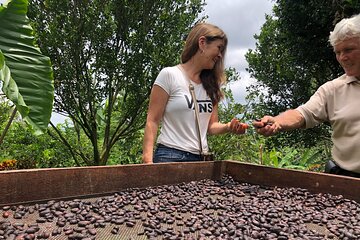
x=266 y=126
x=237 y=127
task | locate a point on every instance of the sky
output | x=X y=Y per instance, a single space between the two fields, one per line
x=240 y=20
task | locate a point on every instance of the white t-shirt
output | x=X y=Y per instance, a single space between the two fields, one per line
x=178 y=126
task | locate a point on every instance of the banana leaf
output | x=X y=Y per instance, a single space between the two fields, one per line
x=26 y=74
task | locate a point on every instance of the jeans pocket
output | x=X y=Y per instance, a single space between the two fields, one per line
x=168 y=155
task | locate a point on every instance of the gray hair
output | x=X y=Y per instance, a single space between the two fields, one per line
x=345 y=29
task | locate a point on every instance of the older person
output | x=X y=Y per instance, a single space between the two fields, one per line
x=171 y=103
x=336 y=102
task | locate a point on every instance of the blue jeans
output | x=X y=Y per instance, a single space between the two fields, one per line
x=166 y=154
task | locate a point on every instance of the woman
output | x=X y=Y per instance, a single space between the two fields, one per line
x=202 y=65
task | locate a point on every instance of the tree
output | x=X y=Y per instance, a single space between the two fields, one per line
x=230 y=146
x=106 y=55
x=26 y=149
x=25 y=73
x=293 y=58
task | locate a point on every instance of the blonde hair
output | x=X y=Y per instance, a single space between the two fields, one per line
x=212 y=79
x=345 y=29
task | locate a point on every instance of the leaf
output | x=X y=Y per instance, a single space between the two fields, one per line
x=274 y=157
x=289 y=156
x=10 y=88
x=295 y=167
x=26 y=72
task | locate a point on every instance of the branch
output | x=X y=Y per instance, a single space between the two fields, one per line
x=8 y=125
x=119 y=132
x=67 y=144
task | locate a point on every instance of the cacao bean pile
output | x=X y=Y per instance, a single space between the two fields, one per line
x=206 y=209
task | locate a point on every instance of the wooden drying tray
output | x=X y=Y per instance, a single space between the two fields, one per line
x=39 y=185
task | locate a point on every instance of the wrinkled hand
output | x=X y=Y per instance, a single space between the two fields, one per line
x=237 y=127
x=266 y=126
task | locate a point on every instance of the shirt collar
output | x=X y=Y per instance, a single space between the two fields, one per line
x=351 y=79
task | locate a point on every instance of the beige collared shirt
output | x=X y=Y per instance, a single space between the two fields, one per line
x=338 y=102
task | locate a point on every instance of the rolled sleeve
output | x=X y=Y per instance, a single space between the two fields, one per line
x=315 y=111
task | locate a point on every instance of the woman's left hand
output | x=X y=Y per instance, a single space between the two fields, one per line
x=237 y=127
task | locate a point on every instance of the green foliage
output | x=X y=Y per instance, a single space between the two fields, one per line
x=254 y=148
x=106 y=55
x=229 y=146
x=293 y=58
x=127 y=151
x=291 y=158
x=33 y=151
x=25 y=72
x=29 y=150
x=4 y=111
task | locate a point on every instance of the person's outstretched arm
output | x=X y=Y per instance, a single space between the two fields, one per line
x=288 y=120
x=234 y=126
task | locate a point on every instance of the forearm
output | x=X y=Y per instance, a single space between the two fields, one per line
x=289 y=120
x=218 y=128
x=234 y=126
x=148 y=143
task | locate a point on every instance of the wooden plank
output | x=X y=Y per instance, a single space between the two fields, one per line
x=314 y=182
x=21 y=186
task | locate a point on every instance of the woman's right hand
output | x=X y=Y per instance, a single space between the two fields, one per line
x=237 y=127
x=147 y=159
